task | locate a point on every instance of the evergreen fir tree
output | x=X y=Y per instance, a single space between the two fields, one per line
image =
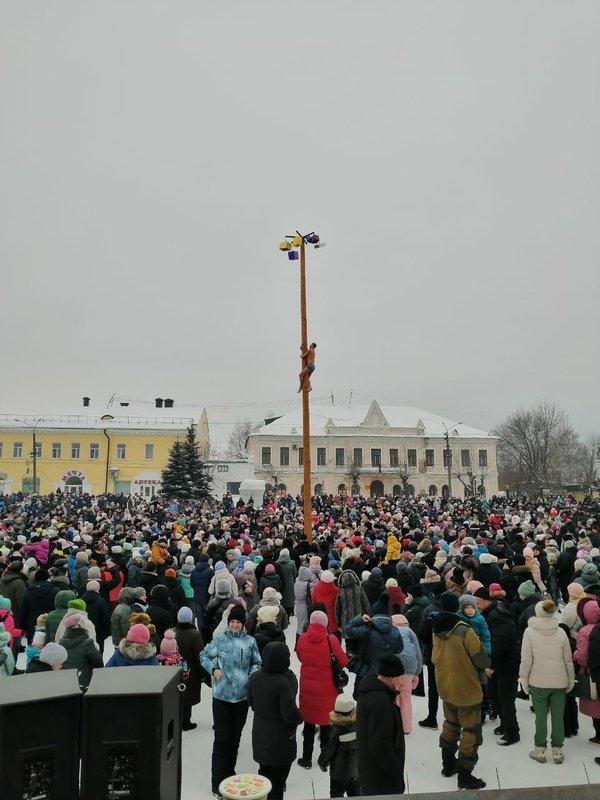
x=175 y=484
x=198 y=479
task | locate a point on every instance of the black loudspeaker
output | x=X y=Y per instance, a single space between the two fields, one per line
x=131 y=744
x=39 y=736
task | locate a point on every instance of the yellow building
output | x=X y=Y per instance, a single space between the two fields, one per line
x=119 y=448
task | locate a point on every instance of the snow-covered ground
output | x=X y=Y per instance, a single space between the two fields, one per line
x=500 y=767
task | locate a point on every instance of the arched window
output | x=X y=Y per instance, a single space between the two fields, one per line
x=281 y=489
x=377 y=489
x=410 y=490
x=445 y=491
x=397 y=490
x=481 y=492
x=268 y=487
x=318 y=489
x=342 y=488
x=433 y=490
x=355 y=490
x=73 y=485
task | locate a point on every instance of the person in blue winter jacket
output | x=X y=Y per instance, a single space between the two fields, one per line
x=469 y=614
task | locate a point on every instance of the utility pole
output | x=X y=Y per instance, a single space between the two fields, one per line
x=448 y=462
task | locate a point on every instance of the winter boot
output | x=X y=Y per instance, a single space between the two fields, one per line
x=429 y=722
x=449 y=767
x=468 y=781
x=539 y=754
x=557 y=755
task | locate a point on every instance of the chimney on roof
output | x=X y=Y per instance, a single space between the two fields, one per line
x=169 y=403
x=158 y=402
x=86 y=401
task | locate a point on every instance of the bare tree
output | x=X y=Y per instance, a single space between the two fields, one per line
x=354 y=468
x=403 y=470
x=236 y=444
x=536 y=443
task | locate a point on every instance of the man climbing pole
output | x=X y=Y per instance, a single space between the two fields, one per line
x=308 y=365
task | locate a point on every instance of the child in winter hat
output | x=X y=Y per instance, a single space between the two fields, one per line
x=169 y=655
x=469 y=614
x=54 y=655
x=341 y=753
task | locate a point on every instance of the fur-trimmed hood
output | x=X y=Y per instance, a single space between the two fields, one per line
x=343 y=720
x=487 y=558
x=136 y=652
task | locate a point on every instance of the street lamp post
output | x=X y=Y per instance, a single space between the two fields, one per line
x=293 y=245
x=449 y=455
x=34 y=449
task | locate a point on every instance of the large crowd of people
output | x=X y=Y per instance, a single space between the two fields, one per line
x=472 y=603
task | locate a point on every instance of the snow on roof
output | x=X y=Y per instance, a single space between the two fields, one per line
x=399 y=420
x=138 y=416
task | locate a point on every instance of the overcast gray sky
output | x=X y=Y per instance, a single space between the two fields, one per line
x=152 y=154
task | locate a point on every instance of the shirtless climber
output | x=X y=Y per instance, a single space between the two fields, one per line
x=308 y=365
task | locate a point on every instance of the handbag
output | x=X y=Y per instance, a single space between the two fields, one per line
x=585 y=688
x=340 y=676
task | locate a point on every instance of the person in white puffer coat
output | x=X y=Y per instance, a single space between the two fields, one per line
x=547 y=674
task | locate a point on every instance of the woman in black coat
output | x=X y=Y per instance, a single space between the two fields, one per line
x=190 y=645
x=272 y=696
x=380 y=733
x=161 y=610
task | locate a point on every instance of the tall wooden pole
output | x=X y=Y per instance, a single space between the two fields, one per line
x=305 y=406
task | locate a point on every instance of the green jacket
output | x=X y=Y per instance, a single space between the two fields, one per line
x=60 y=609
x=458 y=656
x=119 y=621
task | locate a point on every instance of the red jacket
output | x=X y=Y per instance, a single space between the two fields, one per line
x=317 y=689
x=326 y=593
x=397 y=598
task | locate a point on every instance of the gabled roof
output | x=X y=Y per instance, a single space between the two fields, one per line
x=373 y=419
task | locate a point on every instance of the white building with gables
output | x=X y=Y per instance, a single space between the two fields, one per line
x=375 y=450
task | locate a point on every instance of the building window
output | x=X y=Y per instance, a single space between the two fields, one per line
x=339 y=456
x=149 y=452
x=321 y=456
x=394 y=460
x=222 y=467
x=358 y=456
x=265 y=457
x=121 y=450
x=56 y=449
x=483 y=462
x=17 y=449
x=75 y=449
x=94 y=451
x=411 y=456
x=300 y=456
x=284 y=456
x=375 y=457
x=447 y=458
x=233 y=487
x=465 y=458
x=38 y=449
x=429 y=457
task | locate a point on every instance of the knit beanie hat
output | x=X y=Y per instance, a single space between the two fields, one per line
x=78 y=603
x=545 y=609
x=526 y=589
x=575 y=589
x=249 y=566
x=94 y=574
x=4 y=602
x=139 y=591
x=269 y=593
x=185 y=614
x=314 y=561
x=73 y=621
x=237 y=613
x=170 y=573
x=344 y=704
x=189 y=560
x=53 y=654
x=472 y=586
x=220 y=565
x=448 y=602
x=81 y=555
x=284 y=552
x=138 y=634
x=92 y=586
x=269 y=569
x=466 y=600
x=376 y=572
x=39 y=639
x=168 y=646
x=318 y=618
x=391 y=583
x=390 y=666
x=327 y=576
x=267 y=614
